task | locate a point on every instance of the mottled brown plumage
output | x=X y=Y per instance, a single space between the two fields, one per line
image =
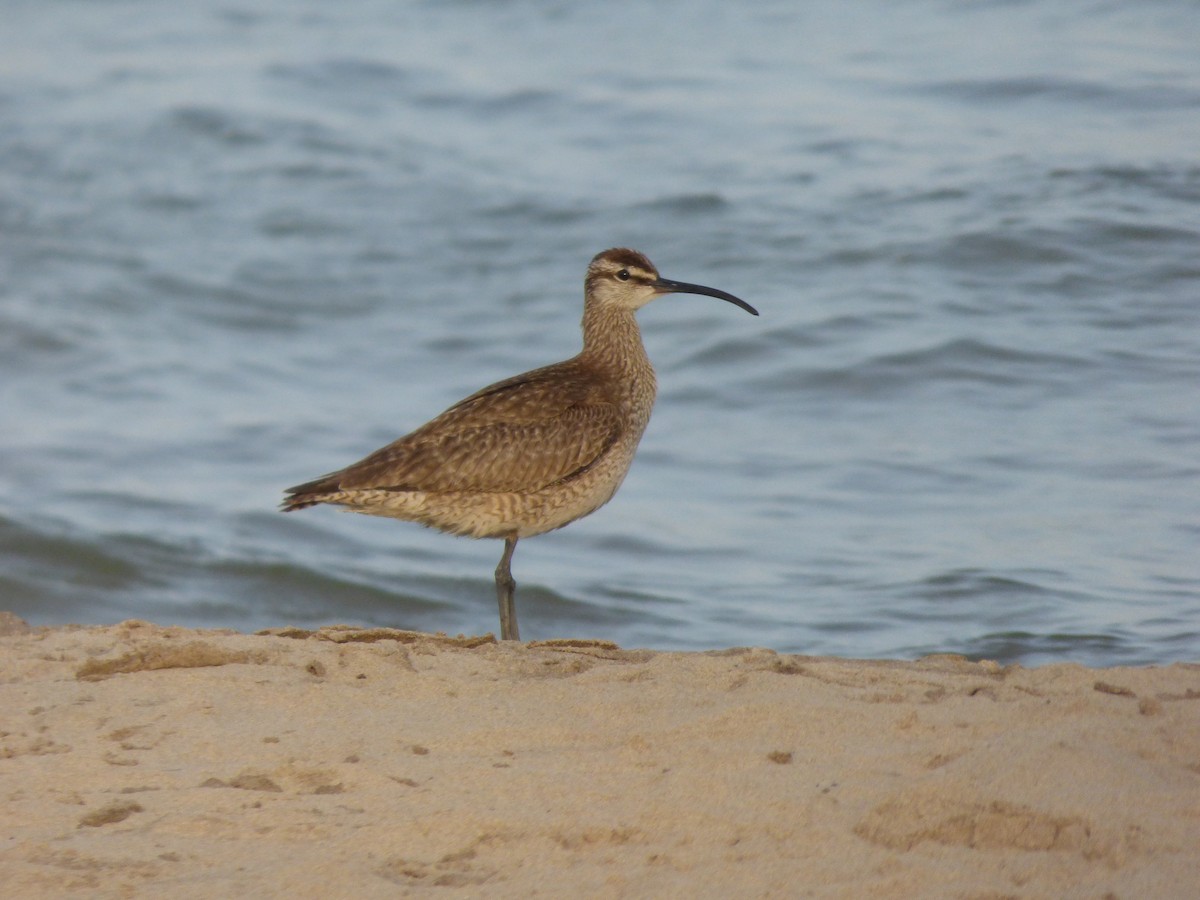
x=531 y=453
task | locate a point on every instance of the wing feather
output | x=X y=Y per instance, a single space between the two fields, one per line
x=520 y=434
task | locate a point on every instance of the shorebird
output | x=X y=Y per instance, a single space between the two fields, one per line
x=531 y=453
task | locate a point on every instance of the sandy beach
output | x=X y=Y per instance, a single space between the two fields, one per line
x=138 y=760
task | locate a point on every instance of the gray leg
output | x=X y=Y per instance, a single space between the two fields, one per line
x=506 y=593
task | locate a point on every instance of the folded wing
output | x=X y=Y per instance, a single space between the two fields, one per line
x=521 y=434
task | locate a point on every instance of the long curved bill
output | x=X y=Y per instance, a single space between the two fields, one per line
x=666 y=286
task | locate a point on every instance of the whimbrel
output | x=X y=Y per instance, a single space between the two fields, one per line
x=531 y=453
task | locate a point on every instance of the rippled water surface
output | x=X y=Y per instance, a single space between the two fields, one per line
x=244 y=244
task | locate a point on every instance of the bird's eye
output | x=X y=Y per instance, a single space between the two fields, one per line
x=623 y=275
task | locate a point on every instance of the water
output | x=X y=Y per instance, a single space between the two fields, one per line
x=244 y=244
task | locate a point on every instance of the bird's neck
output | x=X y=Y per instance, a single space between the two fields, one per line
x=613 y=341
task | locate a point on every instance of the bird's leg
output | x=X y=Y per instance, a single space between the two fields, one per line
x=506 y=592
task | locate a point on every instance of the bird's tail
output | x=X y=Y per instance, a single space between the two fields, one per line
x=311 y=493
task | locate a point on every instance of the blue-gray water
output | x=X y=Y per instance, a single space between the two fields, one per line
x=243 y=244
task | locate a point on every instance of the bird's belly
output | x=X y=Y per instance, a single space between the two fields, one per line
x=498 y=514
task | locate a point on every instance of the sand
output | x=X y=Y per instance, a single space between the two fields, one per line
x=146 y=761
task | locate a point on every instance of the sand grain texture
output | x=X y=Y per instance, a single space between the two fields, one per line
x=138 y=760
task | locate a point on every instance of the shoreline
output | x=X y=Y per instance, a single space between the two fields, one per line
x=139 y=759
